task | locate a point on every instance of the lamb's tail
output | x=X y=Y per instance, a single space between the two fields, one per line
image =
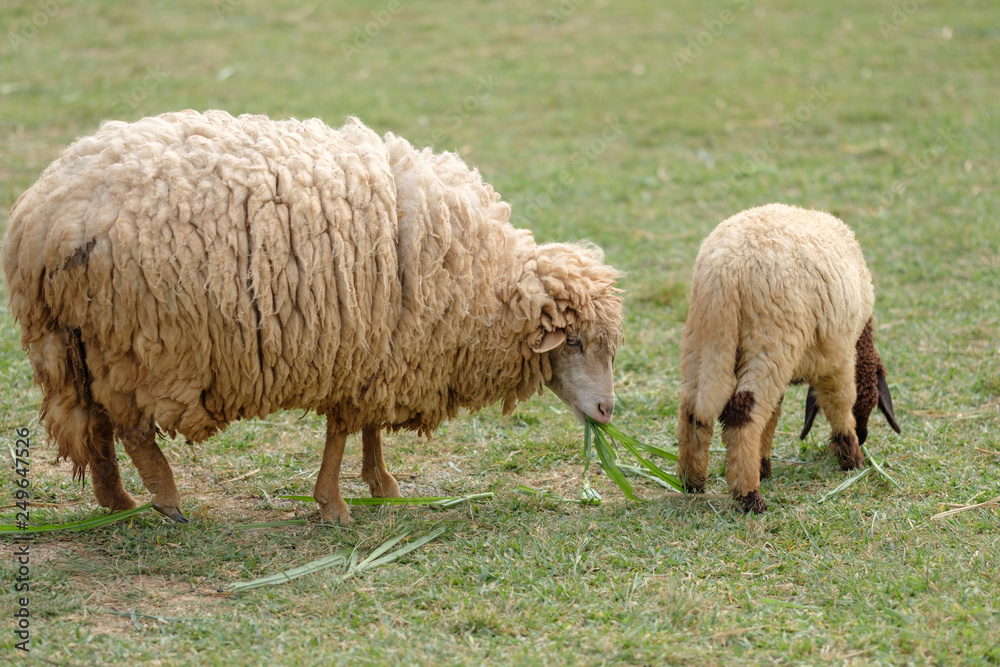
x=709 y=347
x=73 y=420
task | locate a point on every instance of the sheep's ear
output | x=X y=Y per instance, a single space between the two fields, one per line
x=885 y=402
x=812 y=407
x=549 y=340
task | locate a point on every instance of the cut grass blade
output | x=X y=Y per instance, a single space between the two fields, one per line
x=845 y=484
x=339 y=558
x=608 y=459
x=626 y=439
x=441 y=502
x=595 y=432
x=271 y=524
x=86 y=524
x=344 y=558
x=878 y=467
x=587 y=497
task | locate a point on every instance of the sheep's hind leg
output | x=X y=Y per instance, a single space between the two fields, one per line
x=380 y=482
x=104 y=473
x=332 y=507
x=694 y=436
x=158 y=478
x=766 y=438
x=742 y=428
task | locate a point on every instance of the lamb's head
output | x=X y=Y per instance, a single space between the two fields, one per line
x=581 y=328
x=872 y=389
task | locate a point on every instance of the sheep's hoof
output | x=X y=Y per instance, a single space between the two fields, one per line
x=121 y=503
x=338 y=514
x=752 y=503
x=171 y=511
x=384 y=487
x=847 y=451
x=691 y=486
x=765 y=468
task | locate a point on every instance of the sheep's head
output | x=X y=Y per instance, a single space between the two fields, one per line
x=581 y=328
x=872 y=389
x=580 y=372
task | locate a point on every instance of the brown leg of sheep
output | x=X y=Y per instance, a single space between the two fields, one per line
x=158 y=478
x=104 y=473
x=742 y=429
x=836 y=398
x=332 y=507
x=766 y=438
x=694 y=436
x=380 y=482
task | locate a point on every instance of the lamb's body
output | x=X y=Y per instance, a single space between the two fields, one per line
x=190 y=269
x=780 y=295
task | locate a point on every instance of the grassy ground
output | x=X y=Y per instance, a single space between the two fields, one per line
x=667 y=120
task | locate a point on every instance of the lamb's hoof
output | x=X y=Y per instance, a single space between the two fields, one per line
x=337 y=514
x=846 y=449
x=765 y=468
x=387 y=488
x=752 y=503
x=171 y=511
x=691 y=486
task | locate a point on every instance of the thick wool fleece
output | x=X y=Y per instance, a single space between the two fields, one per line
x=779 y=294
x=196 y=268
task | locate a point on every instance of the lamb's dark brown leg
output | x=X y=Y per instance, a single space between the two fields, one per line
x=158 y=478
x=766 y=439
x=332 y=507
x=742 y=428
x=104 y=473
x=836 y=398
x=380 y=482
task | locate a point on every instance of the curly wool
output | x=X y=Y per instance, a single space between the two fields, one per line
x=196 y=269
x=780 y=294
x=782 y=289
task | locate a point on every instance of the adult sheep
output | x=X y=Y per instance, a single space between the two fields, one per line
x=780 y=295
x=192 y=269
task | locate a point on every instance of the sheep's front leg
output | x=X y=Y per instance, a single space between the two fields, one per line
x=380 y=482
x=104 y=473
x=766 y=439
x=158 y=478
x=332 y=507
x=836 y=398
x=741 y=433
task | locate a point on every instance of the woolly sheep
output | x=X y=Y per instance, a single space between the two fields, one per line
x=780 y=295
x=193 y=269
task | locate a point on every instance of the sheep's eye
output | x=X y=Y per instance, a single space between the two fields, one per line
x=573 y=340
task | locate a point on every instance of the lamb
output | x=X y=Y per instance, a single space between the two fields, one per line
x=191 y=269
x=780 y=295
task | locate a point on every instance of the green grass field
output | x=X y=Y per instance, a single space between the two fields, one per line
x=667 y=119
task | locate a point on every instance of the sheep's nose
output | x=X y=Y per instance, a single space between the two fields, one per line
x=605 y=409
